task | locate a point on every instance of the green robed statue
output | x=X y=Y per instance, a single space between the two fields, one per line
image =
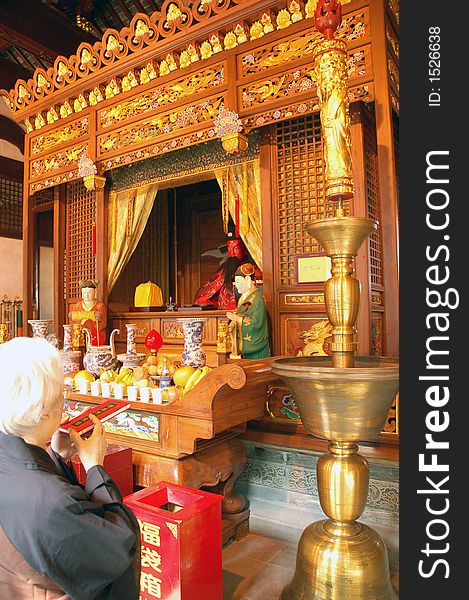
x=248 y=326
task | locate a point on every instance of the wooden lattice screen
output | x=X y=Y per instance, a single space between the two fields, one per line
x=301 y=192
x=373 y=197
x=43 y=197
x=80 y=219
x=11 y=198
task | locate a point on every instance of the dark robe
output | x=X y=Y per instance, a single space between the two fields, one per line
x=86 y=541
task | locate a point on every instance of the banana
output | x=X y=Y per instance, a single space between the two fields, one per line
x=128 y=379
x=193 y=380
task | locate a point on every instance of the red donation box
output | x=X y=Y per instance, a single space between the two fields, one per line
x=181 y=542
x=117 y=462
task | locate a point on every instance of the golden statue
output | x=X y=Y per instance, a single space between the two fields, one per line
x=331 y=76
x=314 y=339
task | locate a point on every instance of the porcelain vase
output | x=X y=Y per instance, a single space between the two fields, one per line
x=193 y=353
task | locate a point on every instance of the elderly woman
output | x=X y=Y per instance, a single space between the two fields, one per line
x=58 y=540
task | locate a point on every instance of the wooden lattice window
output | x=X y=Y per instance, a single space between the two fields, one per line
x=80 y=221
x=301 y=189
x=373 y=198
x=43 y=197
x=11 y=198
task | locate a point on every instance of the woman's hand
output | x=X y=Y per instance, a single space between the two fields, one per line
x=62 y=444
x=93 y=449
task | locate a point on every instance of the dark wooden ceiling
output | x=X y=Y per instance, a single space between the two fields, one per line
x=34 y=32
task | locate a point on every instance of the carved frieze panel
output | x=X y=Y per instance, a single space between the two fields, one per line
x=297 y=48
x=58 y=137
x=163 y=95
x=60 y=160
x=170 y=123
x=172 y=329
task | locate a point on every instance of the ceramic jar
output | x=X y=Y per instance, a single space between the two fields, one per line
x=193 y=353
x=99 y=357
x=40 y=327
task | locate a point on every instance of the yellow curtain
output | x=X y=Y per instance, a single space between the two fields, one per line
x=245 y=180
x=128 y=213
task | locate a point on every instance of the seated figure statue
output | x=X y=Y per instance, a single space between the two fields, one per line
x=89 y=312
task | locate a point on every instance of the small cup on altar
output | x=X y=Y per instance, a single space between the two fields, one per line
x=145 y=394
x=106 y=389
x=132 y=392
x=119 y=391
x=83 y=386
x=156 y=395
x=95 y=388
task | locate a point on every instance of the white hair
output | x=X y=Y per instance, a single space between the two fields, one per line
x=31 y=377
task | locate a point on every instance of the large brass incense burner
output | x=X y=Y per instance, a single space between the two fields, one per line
x=343 y=398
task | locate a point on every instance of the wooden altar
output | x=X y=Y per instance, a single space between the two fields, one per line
x=157 y=88
x=195 y=441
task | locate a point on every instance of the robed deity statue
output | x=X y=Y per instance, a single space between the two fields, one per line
x=248 y=324
x=218 y=290
x=90 y=313
x=330 y=57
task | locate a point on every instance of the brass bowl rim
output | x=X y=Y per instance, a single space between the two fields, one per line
x=313 y=369
x=347 y=219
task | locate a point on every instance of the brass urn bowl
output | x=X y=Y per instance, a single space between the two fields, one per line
x=341 y=404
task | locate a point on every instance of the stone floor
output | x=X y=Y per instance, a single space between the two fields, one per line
x=257 y=568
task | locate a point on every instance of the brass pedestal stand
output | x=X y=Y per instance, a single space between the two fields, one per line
x=343 y=399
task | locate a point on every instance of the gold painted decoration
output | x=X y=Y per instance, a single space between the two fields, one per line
x=129 y=81
x=165 y=123
x=112 y=89
x=59 y=160
x=175 y=15
x=283 y=19
x=141 y=29
x=29 y=127
x=95 y=96
x=188 y=56
x=230 y=41
x=79 y=103
x=215 y=40
x=39 y=121
x=279 y=53
x=234 y=143
x=85 y=57
x=173 y=529
x=41 y=82
x=256 y=31
x=206 y=50
x=65 y=110
x=112 y=44
x=241 y=31
x=295 y=7
x=315 y=339
x=304 y=298
x=267 y=20
x=52 y=116
x=62 y=70
x=22 y=92
x=171 y=92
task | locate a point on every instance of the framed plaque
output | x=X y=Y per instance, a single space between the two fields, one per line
x=312 y=268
